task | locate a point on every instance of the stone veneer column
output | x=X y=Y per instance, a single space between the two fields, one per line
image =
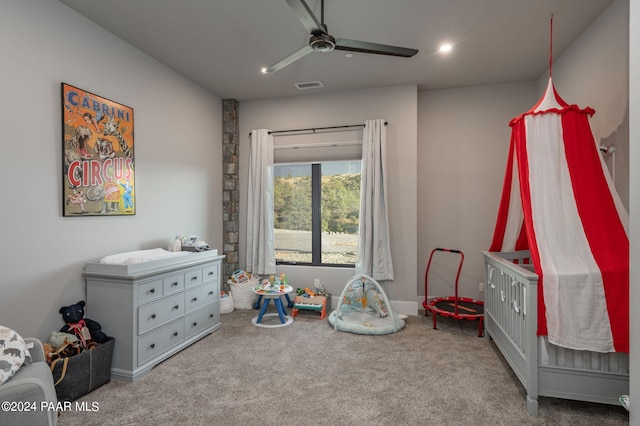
x=230 y=192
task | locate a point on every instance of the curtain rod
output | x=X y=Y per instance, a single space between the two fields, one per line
x=318 y=145
x=314 y=129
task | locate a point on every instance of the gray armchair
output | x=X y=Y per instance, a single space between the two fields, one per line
x=31 y=383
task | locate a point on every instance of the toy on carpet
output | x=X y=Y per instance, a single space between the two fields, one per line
x=311 y=300
x=315 y=303
x=363 y=308
x=86 y=329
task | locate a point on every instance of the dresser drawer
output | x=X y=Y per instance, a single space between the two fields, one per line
x=210 y=273
x=202 y=318
x=193 y=277
x=162 y=311
x=173 y=283
x=156 y=342
x=200 y=296
x=149 y=291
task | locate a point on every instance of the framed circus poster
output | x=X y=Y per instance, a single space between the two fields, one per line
x=98 y=176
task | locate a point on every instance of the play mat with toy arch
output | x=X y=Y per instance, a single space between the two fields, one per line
x=363 y=308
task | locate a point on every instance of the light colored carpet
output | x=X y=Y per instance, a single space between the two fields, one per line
x=309 y=374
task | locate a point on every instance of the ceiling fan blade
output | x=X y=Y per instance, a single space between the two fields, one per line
x=307 y=17
x=289 y=59
x=375 y=48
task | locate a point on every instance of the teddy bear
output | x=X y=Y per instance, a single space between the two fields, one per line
x=86 y=329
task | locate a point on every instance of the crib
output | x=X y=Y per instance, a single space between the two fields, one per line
x=544 y=369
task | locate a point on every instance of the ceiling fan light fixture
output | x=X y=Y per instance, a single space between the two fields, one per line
x=322 y=43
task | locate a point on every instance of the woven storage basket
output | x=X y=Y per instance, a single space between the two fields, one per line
x=226 y=304
x=243 y=295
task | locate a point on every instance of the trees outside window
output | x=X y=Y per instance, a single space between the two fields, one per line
x=316 y=213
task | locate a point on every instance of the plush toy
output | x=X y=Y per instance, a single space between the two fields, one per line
x=58 y=339
x=75 y=323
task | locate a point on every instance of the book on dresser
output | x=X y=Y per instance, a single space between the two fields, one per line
x=154 y=309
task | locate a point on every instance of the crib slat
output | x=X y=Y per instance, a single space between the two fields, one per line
x=553 y=357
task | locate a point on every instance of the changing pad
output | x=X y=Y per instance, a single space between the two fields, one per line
x=140 y=256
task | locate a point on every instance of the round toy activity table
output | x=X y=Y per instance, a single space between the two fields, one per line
x=277 y=301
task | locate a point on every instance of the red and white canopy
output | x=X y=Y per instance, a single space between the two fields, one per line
x=559 y=202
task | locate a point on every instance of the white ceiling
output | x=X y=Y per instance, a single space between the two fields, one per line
x=223 y=44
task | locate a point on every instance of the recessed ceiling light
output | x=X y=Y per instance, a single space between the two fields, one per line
x=263 y=70
x=445 y=47
x=348 y=55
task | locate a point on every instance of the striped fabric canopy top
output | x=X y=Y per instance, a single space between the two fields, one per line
x=558 y=201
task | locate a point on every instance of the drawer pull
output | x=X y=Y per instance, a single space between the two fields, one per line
x=193 y=278
x=210 y=315
x=175 y=334
x=153 y=290
x=153 y=345
x=176 y=307
x=195 y=299
x=210 y=273
x=210 y=293
x=175 y=283
x=194 y=324
x=153 y=316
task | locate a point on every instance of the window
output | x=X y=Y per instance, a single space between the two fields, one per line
x=316 y=212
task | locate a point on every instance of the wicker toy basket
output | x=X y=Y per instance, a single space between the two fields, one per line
x=243 y=295
x=226 y=304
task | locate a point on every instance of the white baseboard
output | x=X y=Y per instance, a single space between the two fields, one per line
x=407 y=308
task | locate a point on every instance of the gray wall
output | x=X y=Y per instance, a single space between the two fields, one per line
x=177 y=147
x=463 y=146
x=397 y=105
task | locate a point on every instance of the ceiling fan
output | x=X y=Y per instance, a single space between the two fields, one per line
x=322 y=41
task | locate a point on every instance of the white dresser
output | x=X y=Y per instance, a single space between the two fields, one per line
x=154 y=309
